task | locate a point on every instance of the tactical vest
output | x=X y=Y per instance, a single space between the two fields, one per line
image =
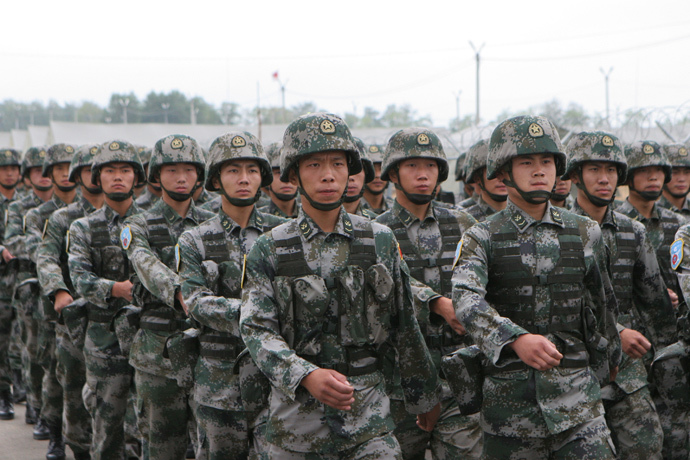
x=669 y=226
x=73 y=213
x=114 y=264
x=622 y=266
x=291 y=264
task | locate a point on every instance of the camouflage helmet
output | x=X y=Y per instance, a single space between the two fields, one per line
x=367 y=164
x=476 y=159
x=33 y=158
x=641 y=154
x=677 y=155
x=10 y=157
x=317 y=132
x=523 y=135
x=273 y=154
x=595 y=146
x=236 y=145
x=176 y=148
x=56 y=154
x=83 y=157
x=414 y=143
x=116 y=151
x=460 y=167
x=144 y=154
x=375 y=152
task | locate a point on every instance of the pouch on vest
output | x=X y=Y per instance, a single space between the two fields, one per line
x=75 y=317
x=352 y=306
x=670 y=370
x=211 y=273
x=182 y=349
x=254 y=386
x=113 y=263
x=463 y=371
x=47 y=310
x=596 y=345
x=379 y=302
x=311 y=298
x=125 y=323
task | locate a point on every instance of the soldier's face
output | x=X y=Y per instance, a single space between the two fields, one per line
x=599 y=178
x=532 y=173
x=648 y=179
x=117 y=178
x=36 y=177
x=562 y=186
x=355 y=184
x=324 y=175
x=416 y=175
x=680 y=181
x=60 y=174
x=240 y=178
x=279 y=186
x=178 y=177
x=9 y=175
x=377 y=184
x=495 y=186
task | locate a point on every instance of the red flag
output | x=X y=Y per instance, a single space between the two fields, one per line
x=275 y=75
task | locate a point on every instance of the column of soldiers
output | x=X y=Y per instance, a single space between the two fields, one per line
x=299 y=313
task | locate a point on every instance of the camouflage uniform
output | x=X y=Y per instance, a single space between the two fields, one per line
x=643 y=303
x=475 y=162
x=269 y=207
x=428 y=247
x=677 y=155
x=375 y=153
x=516 y=275
x=362 y=210
x=336 y=301
x=146 y=199
x=96 y=262
x=150 y=238
x=211 y=265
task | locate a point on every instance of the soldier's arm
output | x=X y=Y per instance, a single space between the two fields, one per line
x=260 y=325
x=156 y=277
x=48 y=258
x=93 y=288
x=683 y=269
x=209 y=309
x=14 y=230
x=34 y=233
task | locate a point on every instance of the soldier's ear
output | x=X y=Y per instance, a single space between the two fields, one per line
x=393 y=175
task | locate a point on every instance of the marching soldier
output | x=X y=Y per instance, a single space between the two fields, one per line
x=352 y=201
x=674 y=194
x=374 y=191
x=283 y=201
x=148 y=197
x=492 y=194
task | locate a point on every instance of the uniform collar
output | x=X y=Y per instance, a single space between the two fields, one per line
x=112 y=216
x=171 y=216
x=609 y=219
x=522 y=221
x=256 y=221
x=85 y=205
x=629 y=209
x=309 y=229
x=407 y=218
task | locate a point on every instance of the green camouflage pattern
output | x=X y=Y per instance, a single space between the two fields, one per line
x=595 y=146
x=144 y=154
x=367 y=164
x=146 y=199
x=236 y=145
x=475 y=159
x=273 y=154
x=317 y=132
x=10 y=157
x=677 y=155
x=278 y=313
x=376 y=152
x=83 y=157
x=460 y=167
x=683 y=212
x=58 y=153
x=480 y=210
x=176 y=148
x=274 y=210
x=116 y=151
x=523 y=135
x=414 y=143
x=641 y=154
x=33 y=158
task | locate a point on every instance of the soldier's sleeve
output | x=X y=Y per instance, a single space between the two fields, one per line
x=422 y=295
x=14 y=230
x=34 y=233
x=82 y=269
x=48 y=258
x=157 y=278
x=490 y=331
x=217 y=312
x=680 y=259
x=260 y=323
x=418 y=375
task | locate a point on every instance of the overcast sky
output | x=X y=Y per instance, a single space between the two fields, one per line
x=347 y=55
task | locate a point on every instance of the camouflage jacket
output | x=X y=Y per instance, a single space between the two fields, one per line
x=15 y=225
x=684 y=212
x=274 y=210
x=211 y=265
x=565 y=396
x=37 y=222
x=467 y=202
x=480 y=210
x=213 y=204
x=146 y=199
x=7 y=274
x=205 y=197
x=679 y=263
x=387 y=205
x=290 y=319
x=364 y=212
x=150 y=239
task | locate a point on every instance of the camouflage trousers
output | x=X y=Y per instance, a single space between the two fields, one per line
x=454 y=436
x=589 y=441
x=6 y=316
x=221 y=433
x=163 y=413
x=635 y=427
x=15 y=350
x=381 y=447
x=25 y=303
x=71 y=373
x=675 y=422
x=51 y=395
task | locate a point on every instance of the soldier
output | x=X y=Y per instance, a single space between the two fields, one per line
x=26 y=289
x=492 y=194
x=355 y=186
x=322 y=295
x=674 y=194
x=144 y=155
x=428 y=235
x=596 y=165
x=149 y=239
x=648 y=171
x=53 y=275
x=100 y=273
x=211 y=267
x=531 y=288
x=467 y=195
x=9 y=178
x=283 y=195
x=153 y=190
x=374 y=197
x=561 y=194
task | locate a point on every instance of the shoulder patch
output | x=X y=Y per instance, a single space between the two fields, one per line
x=45 y=229
x=244 y=271
x=676 y=253
x=458 y=253
x=126 y=237
x=177 y=258
x=400 y=252
x=556 y=216
x=67 y=241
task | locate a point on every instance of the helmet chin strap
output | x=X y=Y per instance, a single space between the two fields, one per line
x=65 y=189
x=283 y=196
x=497 y=198
x=316 y=204
x=366 y=187
x=674 y=195
x=13 y=186
x=119 y=196
x=533 y=197
x=353 y=198
x=595 y=200
x=647 y=196
x=418 y=198
x=240 y=202
x=41 y=188
x=180 y=197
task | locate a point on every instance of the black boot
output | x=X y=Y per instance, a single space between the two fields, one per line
x=30 y=415
x=18 y=387
x=6 y=406
x=82 y=456
x=56 y=446
x=41 y=432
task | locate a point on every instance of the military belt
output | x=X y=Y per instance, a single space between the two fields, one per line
x=220 y=346
x=99 y=315
x=438 y=341
x=163 y=321
x=566 y=363
x=348 y=369
x=25 y=265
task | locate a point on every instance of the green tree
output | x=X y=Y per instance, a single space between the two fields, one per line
x=119 y=103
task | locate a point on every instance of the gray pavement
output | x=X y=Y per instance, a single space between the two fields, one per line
x=17 y=442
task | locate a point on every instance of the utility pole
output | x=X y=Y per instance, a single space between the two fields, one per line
x=282 y=94
x=192 y=112
x=457 y=106
x=476 y=54
x=606 y=80
x=124 y=102
x=165 y=106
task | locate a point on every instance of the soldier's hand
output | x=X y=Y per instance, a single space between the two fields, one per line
x=674 y=298
x=443 y=306
x=330 y=387
x=7 y=255
x=537 y=351
x=178 y=296
x=428 y=420
x=123 y=290
x=634 y=344
x=62 y=299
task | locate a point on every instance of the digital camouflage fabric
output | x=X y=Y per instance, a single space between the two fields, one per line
x=414 y=143
x=236 y=145
x=595 y=146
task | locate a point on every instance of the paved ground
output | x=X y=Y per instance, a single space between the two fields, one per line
x=16 y=441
